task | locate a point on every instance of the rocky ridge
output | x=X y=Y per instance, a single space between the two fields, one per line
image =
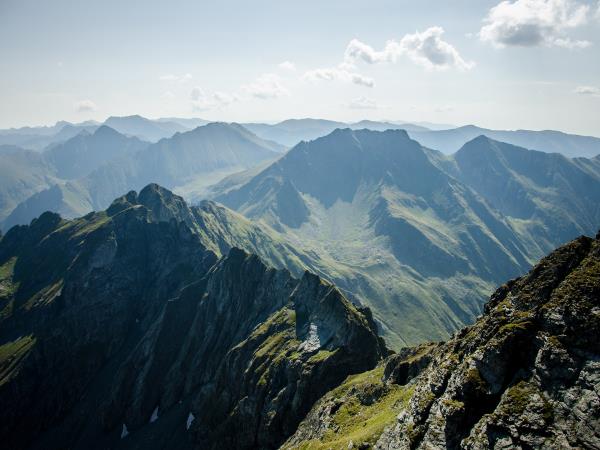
x=128 y=328
x=525 y=375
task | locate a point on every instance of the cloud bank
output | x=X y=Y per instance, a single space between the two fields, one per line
x=588 y=90
x=529 y=23
x=426 y=49
x=85 y=106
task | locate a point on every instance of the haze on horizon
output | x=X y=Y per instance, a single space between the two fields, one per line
x=513 y=64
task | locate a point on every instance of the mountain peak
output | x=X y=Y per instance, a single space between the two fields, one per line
x=106 y=131
x=162 y=204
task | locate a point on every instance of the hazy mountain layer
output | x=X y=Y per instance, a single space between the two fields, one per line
x=22 y=174
x=550 y=141
x=388 y=226
x=38 y=138
x=548 y=198
x=187 y=162
x=291 y=132
x=146 y=129
x=411 y=232
x=80 y=155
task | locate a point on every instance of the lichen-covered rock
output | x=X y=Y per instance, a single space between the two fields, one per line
x=526 y=375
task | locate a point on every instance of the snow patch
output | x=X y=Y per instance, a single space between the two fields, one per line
x=124 y=431
x=312 y=341
x=154 y=417
x=189 y=421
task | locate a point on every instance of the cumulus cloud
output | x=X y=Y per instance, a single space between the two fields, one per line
x=201 y=101
x=426 y=49
x=338 y=73
x=176 y=78
x=530 y=23
x=429 y=50
x=588 y=90
x=357 y=50
x=85 y=106
x=363 y=103
x=168 y=96
x=287 y=65
x=267 y=86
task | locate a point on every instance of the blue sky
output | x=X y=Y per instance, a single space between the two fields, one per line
x=516 y=64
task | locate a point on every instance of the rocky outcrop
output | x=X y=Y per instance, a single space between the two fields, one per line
x=80 y=291
x=525 y=375
x=249 y=350
x=125 y=329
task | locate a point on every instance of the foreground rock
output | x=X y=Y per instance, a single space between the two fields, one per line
x=126 y=328
x=526 y=375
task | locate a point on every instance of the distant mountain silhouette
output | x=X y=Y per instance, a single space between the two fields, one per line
x=189 y=161
x=85 y=152
x=145 y=129
x=571 y=145
x=291 y=131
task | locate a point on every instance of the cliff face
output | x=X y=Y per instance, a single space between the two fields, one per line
x=122 y=329
x=143 y=326
x=525 y=375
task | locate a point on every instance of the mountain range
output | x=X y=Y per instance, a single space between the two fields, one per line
x=291 y=132
x=445 y=138
x=550 y=141
x=93 y=169
x=152 y=325
x=419 y=237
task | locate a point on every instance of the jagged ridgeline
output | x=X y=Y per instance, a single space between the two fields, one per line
x=141 y=327
x=147 y=326
x=525 y=375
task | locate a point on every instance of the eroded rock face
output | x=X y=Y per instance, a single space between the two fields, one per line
x=249 y=349
x=526 y=375
x=124 y=329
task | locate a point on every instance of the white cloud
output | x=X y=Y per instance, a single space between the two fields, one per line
x=363 y=103
x=430 y=51
x=287 y=65
x=176 y=78
x=168 y=96
x=529 y=23
x=588 y=90
x=359 y=50
x=267 y=86
x=426 y=49
x=85 y=106
x=202 y=101
x=338 y=73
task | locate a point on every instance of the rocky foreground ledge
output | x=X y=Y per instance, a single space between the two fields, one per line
x=145 y=326
x=525 y=375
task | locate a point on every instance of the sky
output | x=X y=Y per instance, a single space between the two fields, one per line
x=531 y=64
